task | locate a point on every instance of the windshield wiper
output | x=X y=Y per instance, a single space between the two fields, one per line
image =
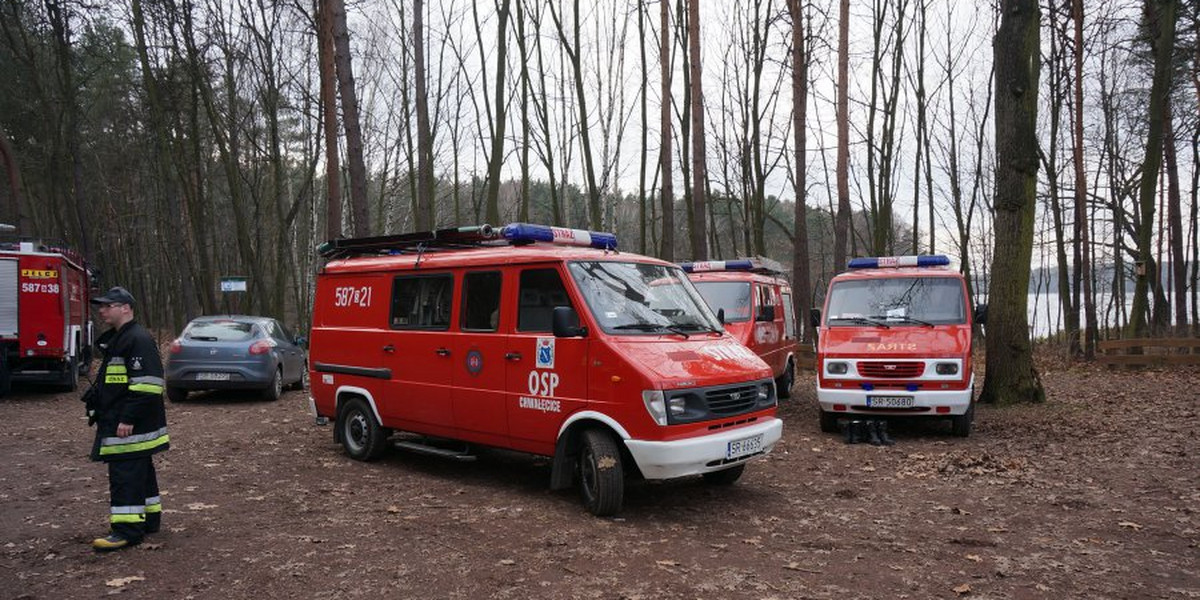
x=697 y=327
x=653 y=327
x=904 y=319
x=862 y=320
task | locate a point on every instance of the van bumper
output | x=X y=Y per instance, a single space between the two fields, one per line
x=925 y=402
x=693 y=456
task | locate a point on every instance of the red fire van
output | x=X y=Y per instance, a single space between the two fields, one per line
x=537 y=339
x=754 y=302
x=45 y=332
x=895 y=340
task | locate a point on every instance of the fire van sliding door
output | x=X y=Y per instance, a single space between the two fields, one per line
x=418 y=353
x=9 y=298
x=477 y=359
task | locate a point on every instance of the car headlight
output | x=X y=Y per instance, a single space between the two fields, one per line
x=677 y=406
x=837 y=367
x=946 y=368
x=656 y=405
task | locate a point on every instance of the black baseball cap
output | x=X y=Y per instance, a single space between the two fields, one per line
x=117 y=295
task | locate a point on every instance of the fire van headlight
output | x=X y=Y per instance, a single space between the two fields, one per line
x=656 y=405
x=766 y=393
x=946 y=368
x=837 y=367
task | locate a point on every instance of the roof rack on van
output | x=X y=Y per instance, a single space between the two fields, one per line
x=463 y=237
x=754 y=264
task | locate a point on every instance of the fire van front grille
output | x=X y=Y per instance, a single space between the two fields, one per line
x=891 y=370
x=732 y=400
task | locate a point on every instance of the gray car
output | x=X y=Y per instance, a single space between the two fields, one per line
x=235 y=352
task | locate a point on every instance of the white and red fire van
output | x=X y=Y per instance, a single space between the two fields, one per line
x=537 y=339
x=754 y=302
x=45 y=332
x=895 y=340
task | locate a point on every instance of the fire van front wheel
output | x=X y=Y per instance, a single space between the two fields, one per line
x=961 y=425
x=783 y=385
x=601 y=477
x=829 y=422
x=362 y=436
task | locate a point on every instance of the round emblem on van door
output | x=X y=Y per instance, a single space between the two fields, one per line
x=474 y=362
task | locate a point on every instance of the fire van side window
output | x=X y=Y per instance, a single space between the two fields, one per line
x=422 y=301
x=541 y=291
x=481 y=301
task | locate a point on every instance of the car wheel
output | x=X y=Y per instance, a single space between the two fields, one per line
x=302 y=383
x=362 y=436
x=601 y=477
x=725 y=476
x=5 y=375
x=783 y=385
x=175 y=394
x=961 y=425
x=275 y=389
x=829 y=422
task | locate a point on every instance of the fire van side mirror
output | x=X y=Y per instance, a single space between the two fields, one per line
x=814 y=317
x=721 y=316
x=566 y=323
x=981 y=314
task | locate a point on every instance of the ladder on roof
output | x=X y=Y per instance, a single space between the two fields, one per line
x=454 y=236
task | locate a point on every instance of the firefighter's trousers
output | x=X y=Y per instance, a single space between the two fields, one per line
x=135 y=506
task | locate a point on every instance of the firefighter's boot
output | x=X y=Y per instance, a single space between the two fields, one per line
x=853 y=431
x=882 y=430
x=110 y=543
x=873 y=433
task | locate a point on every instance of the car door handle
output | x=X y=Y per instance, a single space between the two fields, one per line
x=389 y=348
x=442 y=352
x=512 y=356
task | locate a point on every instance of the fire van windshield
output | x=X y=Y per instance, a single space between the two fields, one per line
x=897 y=301
x=629 y=298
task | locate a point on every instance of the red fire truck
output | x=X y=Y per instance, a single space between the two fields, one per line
x=755 y=303
x=895 y=341
x=45 y=330
x=537 y=339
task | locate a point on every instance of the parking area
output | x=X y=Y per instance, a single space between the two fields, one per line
x=1095 y=494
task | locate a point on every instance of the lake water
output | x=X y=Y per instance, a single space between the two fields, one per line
x=1045 y=312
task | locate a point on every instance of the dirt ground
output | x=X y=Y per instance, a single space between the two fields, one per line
x=1095 y=494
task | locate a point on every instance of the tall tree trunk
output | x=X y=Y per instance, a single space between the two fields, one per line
x=61 y=25
x=667 y=191
x=1175 y=222
x=644 y=154
x=11 y=215
x=841 y=222
x=496 y=154
x=351 y=123
x=1090 y=332
x=329 y=119
x=1161 y=18
x=801 y=276
x=1011 y=376
x=699 y=230
x=425 y=219
x=572 y=49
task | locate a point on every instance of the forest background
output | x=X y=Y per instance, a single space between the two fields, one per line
x=177 y=142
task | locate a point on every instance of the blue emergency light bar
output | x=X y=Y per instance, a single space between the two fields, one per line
x=525 y=232
x=759 y=264
x=884 y=262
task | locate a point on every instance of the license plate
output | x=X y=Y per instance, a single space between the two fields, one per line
x=212 y=376
x=890 y=401
x=744 y=447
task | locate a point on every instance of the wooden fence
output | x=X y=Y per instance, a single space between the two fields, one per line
x=1147 y=352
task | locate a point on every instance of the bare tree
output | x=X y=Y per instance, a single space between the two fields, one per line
x=1011 y=375
x=350 y=122
x=699 y=231
x=841 y=222
x=801 y=277
x=666 y=191
x=333 y=176
x=426 y=218
x=1084 y=256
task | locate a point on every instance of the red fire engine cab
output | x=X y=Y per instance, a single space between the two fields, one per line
x=45 y=332
x=755 y=302
x=895 y=340
x=537 y=339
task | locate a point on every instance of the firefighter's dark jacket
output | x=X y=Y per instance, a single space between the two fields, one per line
x=129 y=389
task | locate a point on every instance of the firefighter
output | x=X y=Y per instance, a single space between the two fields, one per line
x=127 y=406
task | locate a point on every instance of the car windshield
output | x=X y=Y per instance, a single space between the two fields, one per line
x=733 y=296
x=219 y=331
x=897 y=301
x=629 y=298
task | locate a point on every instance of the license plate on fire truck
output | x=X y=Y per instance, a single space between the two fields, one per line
x=744 y=447
x=890 y=401
x=212 y=376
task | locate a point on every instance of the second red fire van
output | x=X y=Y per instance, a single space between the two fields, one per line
x=755 y=302
x=537 y=339
x=895 y=340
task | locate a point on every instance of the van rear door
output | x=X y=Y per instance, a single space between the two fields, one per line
x=419 y=351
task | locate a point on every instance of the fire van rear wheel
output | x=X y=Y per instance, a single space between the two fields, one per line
x=783 y=385
x=5 y=376
x=362 y=436
x=601 y=477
